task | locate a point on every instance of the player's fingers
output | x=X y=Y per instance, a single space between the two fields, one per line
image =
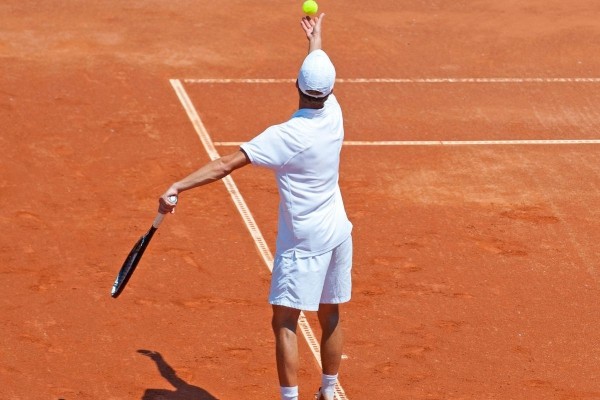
x=319 y=21
x=163 y=208
x=309 y=21
x=166 y=204
x=305 y=22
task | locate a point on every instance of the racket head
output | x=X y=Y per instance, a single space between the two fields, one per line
x=131 y=262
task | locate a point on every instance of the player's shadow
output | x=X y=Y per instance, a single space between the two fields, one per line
x=183 y=390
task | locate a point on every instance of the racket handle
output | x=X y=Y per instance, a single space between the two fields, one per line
x=158 y=220
x=159 y=217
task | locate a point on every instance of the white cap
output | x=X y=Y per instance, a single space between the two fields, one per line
x=316 y=74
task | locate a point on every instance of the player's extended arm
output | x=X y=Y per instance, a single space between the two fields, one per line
x=211 y=172
x=312 y=28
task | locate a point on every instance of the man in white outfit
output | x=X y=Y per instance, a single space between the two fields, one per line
x=313 y=259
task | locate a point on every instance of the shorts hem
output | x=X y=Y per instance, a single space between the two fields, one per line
x=336 y=300
x=305 y=307
x=297 y=306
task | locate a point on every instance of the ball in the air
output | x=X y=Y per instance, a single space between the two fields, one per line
x=310 y=7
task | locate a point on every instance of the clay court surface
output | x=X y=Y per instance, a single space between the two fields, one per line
x=471 y=174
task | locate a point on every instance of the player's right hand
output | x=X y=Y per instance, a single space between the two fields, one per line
x=167 y=202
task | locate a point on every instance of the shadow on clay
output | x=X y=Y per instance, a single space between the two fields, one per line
x=183 y=390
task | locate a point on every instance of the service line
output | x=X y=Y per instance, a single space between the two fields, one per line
x=449 y=142
x=244 y=211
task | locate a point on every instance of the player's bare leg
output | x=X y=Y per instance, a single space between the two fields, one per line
x=285 y=323
x=332 y=340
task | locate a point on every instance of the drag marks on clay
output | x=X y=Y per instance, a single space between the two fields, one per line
x=524 y=354
x=196 y=303
x=502 y=247
x=46 y=282
x=148 y=302
x=462 y=295
x=30 y=220
x=372 y=291
x=385 y=369
x=450 y=326
x=35 y=333
x=210 y=301
x=190 y=261
x=42 y=343
x=144 y=125
x=397 y=265
x=413 y=379
x=6 y=370
x=489 y=242
x=186 y=255
x=396 y=270
x=411 y=244
x=240 y=353
x=538 y=383
x=412 y=351
x=415 y=290
x=64 y=393
x=407 y=268
x=532 y=214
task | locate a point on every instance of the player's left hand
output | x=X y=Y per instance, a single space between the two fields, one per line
x=312 y=26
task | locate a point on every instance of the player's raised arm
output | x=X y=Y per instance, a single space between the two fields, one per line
x=312 y=28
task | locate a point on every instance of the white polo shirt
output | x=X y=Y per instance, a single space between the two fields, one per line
x=304 y=153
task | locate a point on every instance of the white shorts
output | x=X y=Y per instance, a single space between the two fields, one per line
x=304 y=283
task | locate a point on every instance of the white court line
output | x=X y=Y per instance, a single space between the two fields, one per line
x=426 y=80
x=242 y=207
x=449 y=142
x=404 y=80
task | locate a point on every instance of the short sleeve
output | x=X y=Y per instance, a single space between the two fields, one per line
x=270 y=149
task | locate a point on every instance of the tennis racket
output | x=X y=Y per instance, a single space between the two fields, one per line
x=136 y=254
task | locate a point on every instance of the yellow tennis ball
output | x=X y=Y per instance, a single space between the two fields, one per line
x=310 y=7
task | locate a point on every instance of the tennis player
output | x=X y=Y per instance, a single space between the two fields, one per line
x=313 y=259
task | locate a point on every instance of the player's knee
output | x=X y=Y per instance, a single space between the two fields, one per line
x=284 y=317
x=329 y=316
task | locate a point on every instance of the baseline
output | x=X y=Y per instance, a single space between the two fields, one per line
x=405 y=80
x=244 y=211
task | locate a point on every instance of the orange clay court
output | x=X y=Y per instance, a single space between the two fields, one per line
x=471 y=173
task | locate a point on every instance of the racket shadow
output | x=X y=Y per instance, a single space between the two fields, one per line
x=183 y=390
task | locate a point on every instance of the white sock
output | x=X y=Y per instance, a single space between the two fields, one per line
x=328 y=384
x=289 y=393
